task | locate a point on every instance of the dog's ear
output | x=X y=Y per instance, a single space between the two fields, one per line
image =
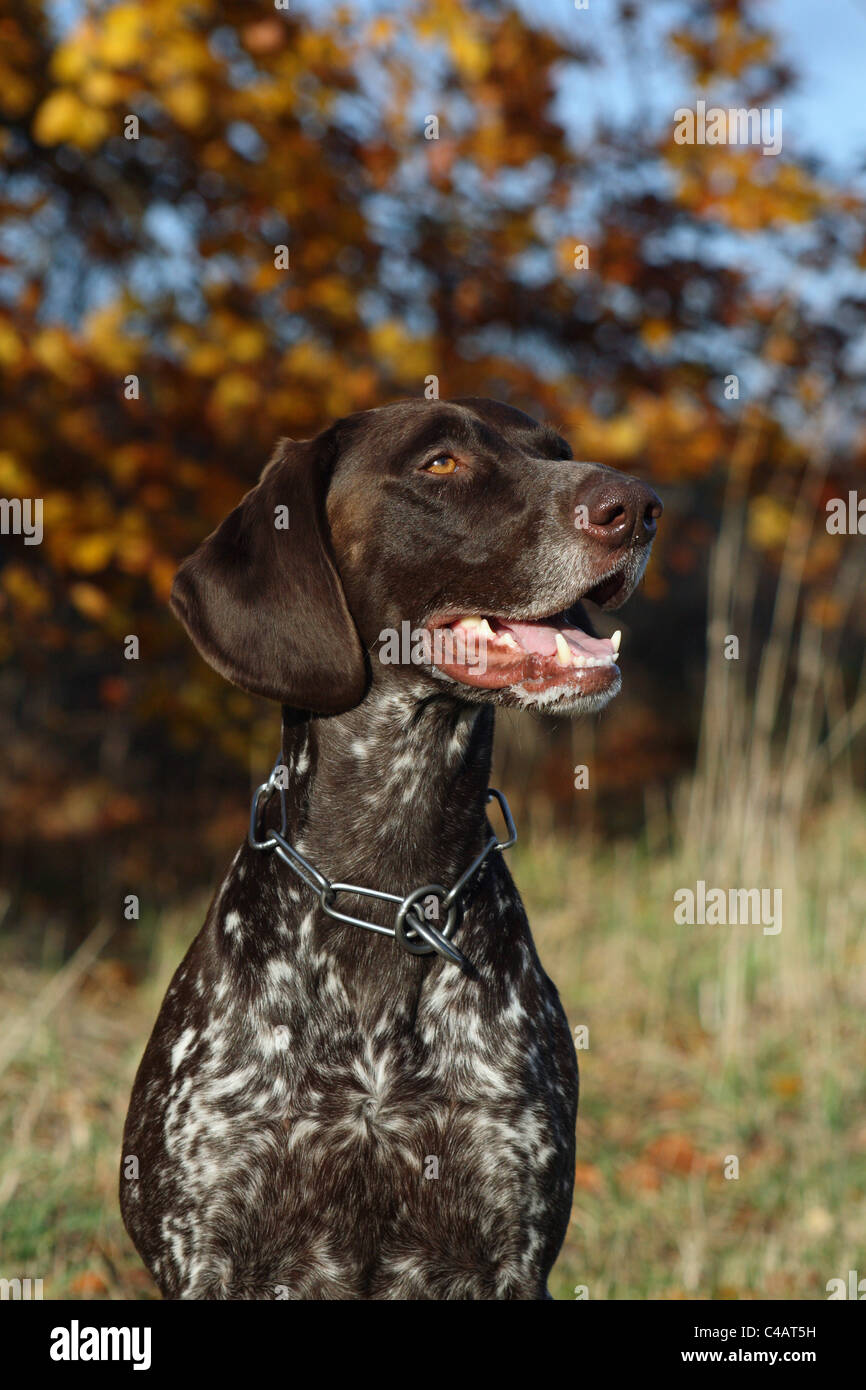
x=262 y=600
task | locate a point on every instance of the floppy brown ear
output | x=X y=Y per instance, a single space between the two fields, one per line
x=265 y=606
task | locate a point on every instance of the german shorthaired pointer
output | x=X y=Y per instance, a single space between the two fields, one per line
x=320 y=1114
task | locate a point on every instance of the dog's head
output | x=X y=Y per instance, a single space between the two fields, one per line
x=444 y=543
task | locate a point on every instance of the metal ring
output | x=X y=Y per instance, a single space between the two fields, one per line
x=264 y=791
x=493 y=794
x=432 y=939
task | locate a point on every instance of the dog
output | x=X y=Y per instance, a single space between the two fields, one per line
x=320 y=1114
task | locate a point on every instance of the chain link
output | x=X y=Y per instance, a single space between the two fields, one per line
x=411 y=929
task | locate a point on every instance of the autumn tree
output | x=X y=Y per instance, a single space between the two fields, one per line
x=222 y=223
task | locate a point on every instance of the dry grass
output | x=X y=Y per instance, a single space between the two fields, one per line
x=706 y=1042
x=63 y=1095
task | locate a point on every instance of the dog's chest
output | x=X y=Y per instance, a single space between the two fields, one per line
x=335 y=1138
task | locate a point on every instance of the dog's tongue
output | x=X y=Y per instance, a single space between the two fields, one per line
x=541 y=638
x=533 y=637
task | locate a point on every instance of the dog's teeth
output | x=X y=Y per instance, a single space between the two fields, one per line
x=486 y=630
x=563 y=651
x=508 y=641
x=474 y=620
x=615 y=641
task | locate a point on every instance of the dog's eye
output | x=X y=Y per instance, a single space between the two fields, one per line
x=441 y=465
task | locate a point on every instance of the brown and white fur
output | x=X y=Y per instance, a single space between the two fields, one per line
x=319 y=1114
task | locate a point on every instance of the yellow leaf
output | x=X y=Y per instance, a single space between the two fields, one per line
x=101 y=88
x=10 y=345
x=91 y=602
x=64 y=118
x=182 y=55
x=623 y=436
x=91 y=553
x=72 y=59
x=333 y=293
x=656 y=333
x=16 y=93
x=15 y=479
x=134 y=554
x=103 y=333
x=187 y=102
x=54 y=349
x=121 y=35
x=206 y=359
x=769 y=523
x=235 y=391
x=470 y=54
x=162 y=572
x=57 y=117
x=247 y=344
x=23 y=589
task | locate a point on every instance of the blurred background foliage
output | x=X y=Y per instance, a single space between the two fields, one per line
x=260 y=128
x=407 y=256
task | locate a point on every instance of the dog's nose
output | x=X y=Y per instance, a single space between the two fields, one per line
x=621 y=511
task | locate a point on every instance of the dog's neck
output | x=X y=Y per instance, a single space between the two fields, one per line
x=393 y=794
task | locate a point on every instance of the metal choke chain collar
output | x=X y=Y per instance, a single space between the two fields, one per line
x=413 y=932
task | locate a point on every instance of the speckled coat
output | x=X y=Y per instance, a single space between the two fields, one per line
x=318 y=1114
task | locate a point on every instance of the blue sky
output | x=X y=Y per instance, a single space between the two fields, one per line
x=827 y=43
x=823 y=40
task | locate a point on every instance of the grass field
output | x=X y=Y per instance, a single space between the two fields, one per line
x=704 y=1042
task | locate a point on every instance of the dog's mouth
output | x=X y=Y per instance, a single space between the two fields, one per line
x=558 y=652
